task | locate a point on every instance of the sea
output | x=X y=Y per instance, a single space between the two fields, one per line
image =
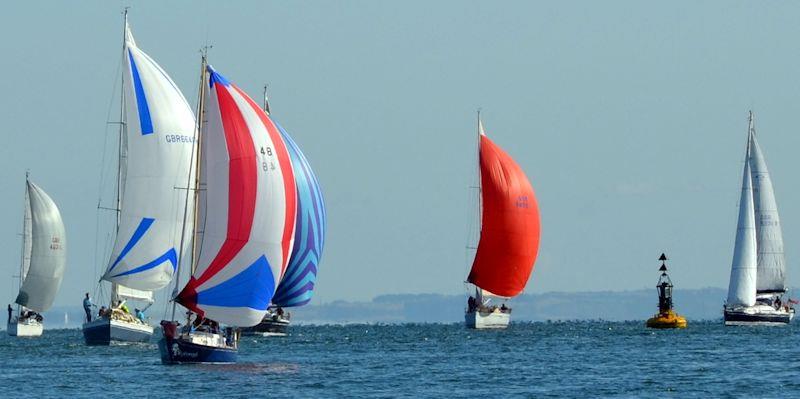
x=581 y=359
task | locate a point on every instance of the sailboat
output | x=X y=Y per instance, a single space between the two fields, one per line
x=155 y=154
x=44 y=257
x=758 y=271
x=297 y=285
x=509 y=236
x=244 y=234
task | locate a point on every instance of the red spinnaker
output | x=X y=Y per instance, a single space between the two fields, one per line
x=510 y=224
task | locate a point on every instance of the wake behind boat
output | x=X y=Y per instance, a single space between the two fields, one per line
x=509 y=236
x=43 y=261
x=758 y=281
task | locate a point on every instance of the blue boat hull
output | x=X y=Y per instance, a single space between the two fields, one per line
x=178 y=351
x=105 y=333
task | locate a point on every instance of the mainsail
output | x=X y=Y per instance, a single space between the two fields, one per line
x=510 y=226
x=45 y=251
x=742 y=286
x=297 y=285
x=246 y=209
x=769 y=239
x=160 y=135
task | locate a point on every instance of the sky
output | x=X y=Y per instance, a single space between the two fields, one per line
x=629 y=118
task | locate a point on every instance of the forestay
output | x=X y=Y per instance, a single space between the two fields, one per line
x=159 y=142
x=247 y=209
x=46 y=248
x=297 y=285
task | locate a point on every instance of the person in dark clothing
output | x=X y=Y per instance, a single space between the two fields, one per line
x=9 y=312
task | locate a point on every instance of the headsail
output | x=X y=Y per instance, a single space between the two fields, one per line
x=769 y=239
x=160 y=128
x=47 y=244
x=510 y=225
x=247 y=209
x=742 y=286
x=297 y=285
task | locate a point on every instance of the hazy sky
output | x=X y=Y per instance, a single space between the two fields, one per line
x=628 y=117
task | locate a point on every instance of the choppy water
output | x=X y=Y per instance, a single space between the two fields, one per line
x=580 y=359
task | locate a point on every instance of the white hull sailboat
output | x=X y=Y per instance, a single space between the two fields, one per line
x=758 y=271
x=509 y=238
x=43 y=262
x=156 y=141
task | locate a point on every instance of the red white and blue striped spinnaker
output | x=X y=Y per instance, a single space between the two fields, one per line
x=246 y=211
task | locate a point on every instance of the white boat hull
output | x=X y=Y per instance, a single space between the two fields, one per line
x=487 y=320
x=761 y=315
x=24 y=329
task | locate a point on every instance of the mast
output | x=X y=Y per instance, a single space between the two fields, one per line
x=24 y=239
x=266 y=100
x=194 y=187
x=122 y=135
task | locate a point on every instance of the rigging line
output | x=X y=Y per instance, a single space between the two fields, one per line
x=102 y=182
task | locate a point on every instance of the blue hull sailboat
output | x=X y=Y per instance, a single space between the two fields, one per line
x=152 y=162
x=246 y=206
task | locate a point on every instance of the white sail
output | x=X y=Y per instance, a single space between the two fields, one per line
x=742 y=287
x=47 y=244
x=160 y=136
x=124 y=292
x=769 y=240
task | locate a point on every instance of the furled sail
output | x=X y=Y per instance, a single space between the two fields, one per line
x=742 y=286
x=297 y=285
x=769 y=239
x=46 y=247
x=247 y=208
x=510 y=226
x=160 y=135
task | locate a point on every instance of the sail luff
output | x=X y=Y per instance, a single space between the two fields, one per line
x=48 y=252
x=742 y=285
x=769 y=238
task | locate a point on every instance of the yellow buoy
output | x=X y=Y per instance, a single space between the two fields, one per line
x=666 y=317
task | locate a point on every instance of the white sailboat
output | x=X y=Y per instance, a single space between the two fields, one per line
x=758 y=270
x=44 y=258
x=156 y=144
x=509 y=236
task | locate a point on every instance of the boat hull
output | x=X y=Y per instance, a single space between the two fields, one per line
x=758 y=315
x=269 y=327
x=487 y=320
x=180 y=351
x=106 y=331
x=17 y=329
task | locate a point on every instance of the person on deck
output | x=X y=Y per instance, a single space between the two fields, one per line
x=471 y=303
x=87 y=307
x=9 y=313
x=140 y=314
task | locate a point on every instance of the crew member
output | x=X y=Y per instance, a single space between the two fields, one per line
x=87 y=307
